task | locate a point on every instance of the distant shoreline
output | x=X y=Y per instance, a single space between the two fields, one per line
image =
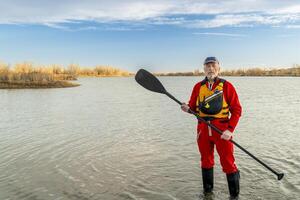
x=287 y=72
x=164 y=75
x=26 y=75
x=36 y=85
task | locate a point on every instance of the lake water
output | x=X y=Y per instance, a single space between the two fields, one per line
x=112 y=139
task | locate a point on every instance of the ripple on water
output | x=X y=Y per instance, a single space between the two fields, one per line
x=91 y=143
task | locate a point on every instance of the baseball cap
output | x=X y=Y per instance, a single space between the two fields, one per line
x=211 y=59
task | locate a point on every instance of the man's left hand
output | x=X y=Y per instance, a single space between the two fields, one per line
x=227 y=135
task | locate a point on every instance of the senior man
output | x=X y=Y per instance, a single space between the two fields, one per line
x=216 y=101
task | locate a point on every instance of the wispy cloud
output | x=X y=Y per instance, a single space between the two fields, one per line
x=189 y=13
x=219 y=34
x=243 y=20
x=293 y=26
x=289 y=9
x=56 y=25
x=285 y=35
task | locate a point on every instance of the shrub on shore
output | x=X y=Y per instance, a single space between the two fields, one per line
x=25 y=75
x=102 y=71
x=294 y=71
x=27 y=71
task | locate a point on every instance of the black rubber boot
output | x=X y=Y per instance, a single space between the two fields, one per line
x=208 y=180
x=234 y=185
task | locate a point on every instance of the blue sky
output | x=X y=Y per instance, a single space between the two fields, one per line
x=165 y=35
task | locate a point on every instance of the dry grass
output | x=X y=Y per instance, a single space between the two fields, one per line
x=102 y=71
x=294 y=71
x=24 y=75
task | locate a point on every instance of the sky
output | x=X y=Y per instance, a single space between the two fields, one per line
x=165 y=35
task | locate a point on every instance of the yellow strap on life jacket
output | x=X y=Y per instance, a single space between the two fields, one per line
x=205 y=93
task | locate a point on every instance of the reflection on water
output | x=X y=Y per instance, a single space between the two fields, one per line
x=112 y=139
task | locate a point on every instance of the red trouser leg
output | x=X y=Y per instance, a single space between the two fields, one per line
x=224 y=148
x=225 y=151
x=206 y=147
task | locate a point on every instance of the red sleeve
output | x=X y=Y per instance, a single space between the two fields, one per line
x=193 y=98
x=235 y=107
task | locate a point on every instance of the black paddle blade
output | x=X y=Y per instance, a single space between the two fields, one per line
x=149 y=81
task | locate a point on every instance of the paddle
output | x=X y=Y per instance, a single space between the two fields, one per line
x=150 y=82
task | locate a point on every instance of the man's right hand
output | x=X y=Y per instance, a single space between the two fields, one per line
x=185 y=107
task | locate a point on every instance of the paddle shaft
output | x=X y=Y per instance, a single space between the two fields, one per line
x=279 y=175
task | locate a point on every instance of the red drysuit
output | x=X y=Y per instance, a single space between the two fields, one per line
x=207 y=137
